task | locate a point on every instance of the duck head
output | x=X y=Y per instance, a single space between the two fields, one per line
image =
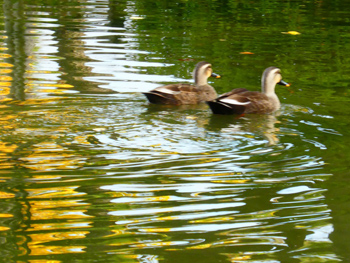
x=270 y=78
x=202 y=72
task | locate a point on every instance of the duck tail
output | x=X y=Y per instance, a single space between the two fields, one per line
x=153 y=98
x=218 y=107
x=157 y=98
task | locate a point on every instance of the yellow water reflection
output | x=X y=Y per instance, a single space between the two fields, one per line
x=40 y=250
x=60 y=148
x=202 y=246
x=4 y=195
x=50 y=204
x=5 y=147
x=59 y=226
x=45 y=214
x=50 y=155
x=47 y=204
x=5 y=78
x=6 y=215
x=155 y=244
x=47 y=209
x=42 y=261
x=5 y=65
x=54 y=192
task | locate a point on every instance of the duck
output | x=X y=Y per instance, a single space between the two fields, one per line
x=242 y=101
x=179 y=94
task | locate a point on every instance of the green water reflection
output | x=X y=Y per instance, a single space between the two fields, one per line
x=90 y=172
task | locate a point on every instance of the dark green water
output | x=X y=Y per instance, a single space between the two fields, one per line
x=90 y=172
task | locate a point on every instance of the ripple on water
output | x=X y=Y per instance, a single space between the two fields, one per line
x=128 y=176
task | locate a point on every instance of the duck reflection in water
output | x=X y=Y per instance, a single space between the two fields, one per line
x=241 y=101
x=250 y=124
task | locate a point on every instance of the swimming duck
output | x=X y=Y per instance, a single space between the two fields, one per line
x=241 y=101
x=177 y=94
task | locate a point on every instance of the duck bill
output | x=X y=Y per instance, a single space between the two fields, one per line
x=214 y=75
x=283 y=83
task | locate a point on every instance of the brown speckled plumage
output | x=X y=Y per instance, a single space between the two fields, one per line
x=177 y=94
x=241 y=101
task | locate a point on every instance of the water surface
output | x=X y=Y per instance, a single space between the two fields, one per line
x=90 y=172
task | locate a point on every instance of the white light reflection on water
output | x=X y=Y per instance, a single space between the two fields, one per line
x=131 y=179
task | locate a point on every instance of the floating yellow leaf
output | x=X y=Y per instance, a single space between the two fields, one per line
x=246 y=53
x=291 y=33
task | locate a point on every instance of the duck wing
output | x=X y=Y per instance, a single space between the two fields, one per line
x=259 y=103
x=251 y=101
x=176 y=88
x=174 y=94
x=232 y=92
x=240 y=101
x=230 y=102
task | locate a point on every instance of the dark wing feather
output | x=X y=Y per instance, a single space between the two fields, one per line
x=258 y=102
x=174 y=94
x=155 y=97
x=218 y=107
x=178 y=88
x=232 y=92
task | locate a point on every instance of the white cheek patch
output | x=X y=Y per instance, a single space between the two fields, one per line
x=235 y=102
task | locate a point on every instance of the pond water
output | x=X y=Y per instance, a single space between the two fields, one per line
x=90 y=172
